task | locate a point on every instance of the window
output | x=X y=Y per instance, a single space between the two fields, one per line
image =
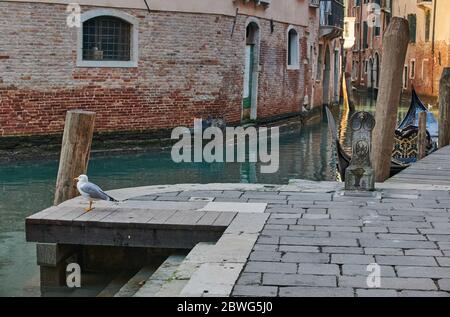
x=107 y=38
x=293 y=49
x=427 y=25
x=365 y=34
x=377 y=30
x=412 y=27
x=412 y=74
x=405 y=77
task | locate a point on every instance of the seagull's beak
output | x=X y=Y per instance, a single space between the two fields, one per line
x=75 y=179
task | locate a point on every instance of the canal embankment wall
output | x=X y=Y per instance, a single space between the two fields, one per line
x=110 y=143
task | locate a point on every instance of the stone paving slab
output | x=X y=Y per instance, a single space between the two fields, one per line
x=406 y=233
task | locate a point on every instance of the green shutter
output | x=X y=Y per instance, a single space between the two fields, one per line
x=365 y=35
x=412 y=20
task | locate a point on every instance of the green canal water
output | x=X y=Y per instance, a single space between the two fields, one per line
x=27 y=187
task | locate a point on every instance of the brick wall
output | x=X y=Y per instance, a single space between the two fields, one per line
x=428 y=69
x=189 y=66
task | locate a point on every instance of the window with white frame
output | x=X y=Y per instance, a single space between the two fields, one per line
x=107 y=38
x=293 y=49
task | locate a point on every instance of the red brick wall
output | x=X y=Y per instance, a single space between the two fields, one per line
x=189 y=66
x=428 y=69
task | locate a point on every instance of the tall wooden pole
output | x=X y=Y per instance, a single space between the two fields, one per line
x=422 y=136
x=75 y=151
x=395 y=44
x=444 y=108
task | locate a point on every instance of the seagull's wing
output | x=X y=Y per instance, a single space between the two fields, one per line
x=94 y=191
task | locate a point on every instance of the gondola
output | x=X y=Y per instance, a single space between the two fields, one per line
x=405 y=136
x=412 y=116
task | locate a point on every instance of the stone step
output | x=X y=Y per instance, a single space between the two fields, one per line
x=159 y=280
x=115 y=284
x=136 y=282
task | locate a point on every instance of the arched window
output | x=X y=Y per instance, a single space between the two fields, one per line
x=107 y=38
x=293 y=49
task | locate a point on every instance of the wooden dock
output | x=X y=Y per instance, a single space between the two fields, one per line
x=432 y=170
x=147 y=223
x=129 y=224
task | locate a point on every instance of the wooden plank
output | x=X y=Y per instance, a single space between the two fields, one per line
x=61 y=214
x=423 y=176
x=43 y=213
x=185 y=217
x=129 y=216
x=208 y=218
x=96 y=215
x=161 y=216
x=114 y=236
x=224 y=219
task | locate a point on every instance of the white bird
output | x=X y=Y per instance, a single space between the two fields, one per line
x=91 y=192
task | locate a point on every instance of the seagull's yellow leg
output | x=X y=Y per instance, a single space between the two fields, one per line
x=90 y=207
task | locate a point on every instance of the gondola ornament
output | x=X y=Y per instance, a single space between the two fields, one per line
x=360 y=175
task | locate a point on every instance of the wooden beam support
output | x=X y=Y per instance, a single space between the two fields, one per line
x=444 y=108
x=395 y=43
x=422 y=136
x=75 y=151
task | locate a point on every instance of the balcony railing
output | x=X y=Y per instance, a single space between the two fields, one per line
x=332 y=13
x=331 y=18
x=314 y=3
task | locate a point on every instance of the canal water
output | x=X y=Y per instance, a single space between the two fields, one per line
x=27 y=187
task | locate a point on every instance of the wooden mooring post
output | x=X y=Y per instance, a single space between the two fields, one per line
x=444 y=108
x=422 y=136
x=75 y=152
x=395 y=43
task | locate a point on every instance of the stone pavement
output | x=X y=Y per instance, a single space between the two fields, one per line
x=318 y=241
x=319 y=244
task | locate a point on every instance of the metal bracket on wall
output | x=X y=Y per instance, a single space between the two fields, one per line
x=234 y=22
x=271 y=26
x=148 y=7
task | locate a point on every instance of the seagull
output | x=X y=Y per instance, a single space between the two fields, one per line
x=91 y=192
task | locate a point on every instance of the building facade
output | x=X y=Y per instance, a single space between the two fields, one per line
x=155 y=65
x=369 y=20
x=429 y=46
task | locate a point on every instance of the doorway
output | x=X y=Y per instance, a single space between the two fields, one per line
x=250 y=94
